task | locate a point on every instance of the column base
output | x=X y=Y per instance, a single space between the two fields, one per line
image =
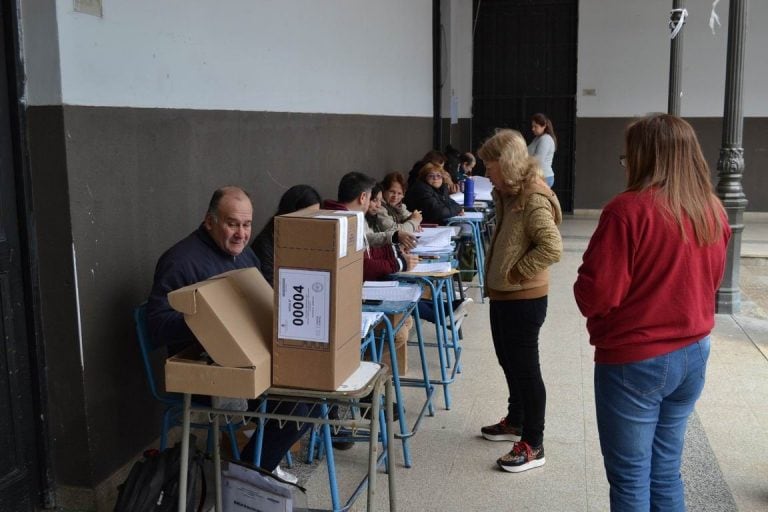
x=728 y=302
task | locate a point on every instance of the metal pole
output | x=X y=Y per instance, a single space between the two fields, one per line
x=676 y=59
x=437 y=72
x=730 y=165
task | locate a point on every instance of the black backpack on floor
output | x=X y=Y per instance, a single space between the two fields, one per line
x=153 y=483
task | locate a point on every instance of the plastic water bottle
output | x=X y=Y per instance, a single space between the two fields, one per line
x=469 y=193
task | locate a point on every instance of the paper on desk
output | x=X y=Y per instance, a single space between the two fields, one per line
x=368 y=320
x=434 y=237
x=441 y=266
x=392 y=293
x=431 y=232
x=448 y=249
x=380 y=284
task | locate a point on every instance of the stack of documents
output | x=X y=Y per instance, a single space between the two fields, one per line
x=432 y=268
x=390 y=291
x=434 y=241
x=483 y=189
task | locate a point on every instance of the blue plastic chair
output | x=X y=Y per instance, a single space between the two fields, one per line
x=173 y=401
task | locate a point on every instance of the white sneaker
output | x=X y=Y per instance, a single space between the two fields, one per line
x=461 y=310
x=288 y=477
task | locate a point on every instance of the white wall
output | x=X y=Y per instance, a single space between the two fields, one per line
x=39 y=34
x=330 y=56
x=624 y=56
x=457 y=64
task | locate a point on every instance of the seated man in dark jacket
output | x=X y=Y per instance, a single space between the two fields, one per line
x=378 y=262
x=218 y=245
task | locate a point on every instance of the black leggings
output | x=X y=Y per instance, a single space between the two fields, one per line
x=515 y=326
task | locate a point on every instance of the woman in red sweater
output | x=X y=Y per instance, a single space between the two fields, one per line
x=647 y=287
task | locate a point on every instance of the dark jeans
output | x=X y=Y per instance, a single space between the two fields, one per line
x=515 y=326
x=427 y=311
x=277 y=441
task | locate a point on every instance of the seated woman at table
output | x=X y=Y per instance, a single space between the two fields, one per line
x=377 y=237
x=431 y=196
x=393 y=214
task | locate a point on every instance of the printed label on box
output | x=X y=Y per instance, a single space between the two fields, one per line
x=304 y=304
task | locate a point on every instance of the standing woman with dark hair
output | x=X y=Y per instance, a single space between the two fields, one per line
x=525 y=244
x=647 y=287
x=543 y=145
x=294 y=199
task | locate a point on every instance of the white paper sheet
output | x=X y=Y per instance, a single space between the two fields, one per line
x=441 y=266
x=392 y=293
x=380 y=284
x=368 y=321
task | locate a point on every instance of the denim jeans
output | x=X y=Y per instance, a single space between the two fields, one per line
x=642 y=413
x=427 y=311
x=278 y=440
x=515 y=326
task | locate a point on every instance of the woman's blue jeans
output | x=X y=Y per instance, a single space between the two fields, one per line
x=642 y=413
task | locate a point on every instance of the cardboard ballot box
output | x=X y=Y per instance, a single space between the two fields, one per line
x=318 y=298
x=231 y=315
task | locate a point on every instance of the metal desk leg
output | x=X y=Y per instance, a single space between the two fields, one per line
x=257 y=448
x=390 y=438
x=329 y=459
x=440 y=313
x=428 y=388
x=183 y=473
x=216 y=464
x=436 y=299
x=454 y=331
x=373 y=442
x=396 y=378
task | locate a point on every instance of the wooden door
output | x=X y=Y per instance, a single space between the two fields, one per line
x=524 y=63
x=19 y=484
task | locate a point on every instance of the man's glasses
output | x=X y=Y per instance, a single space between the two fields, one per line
x=434 y=176
x=623 y=160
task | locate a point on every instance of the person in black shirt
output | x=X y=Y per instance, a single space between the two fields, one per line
x=294 y=199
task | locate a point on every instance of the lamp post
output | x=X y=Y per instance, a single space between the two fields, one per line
x=676 y=17
x=730 y=165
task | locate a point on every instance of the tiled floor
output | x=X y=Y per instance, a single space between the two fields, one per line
x=726 y=464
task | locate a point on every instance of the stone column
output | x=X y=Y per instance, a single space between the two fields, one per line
x=676 y=60
x=730 y=165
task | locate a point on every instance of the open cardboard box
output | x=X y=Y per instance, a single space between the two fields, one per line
x=231 y=315
x=318 y=298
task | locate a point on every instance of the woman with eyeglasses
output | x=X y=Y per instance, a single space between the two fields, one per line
x=430 y=195
x=543 y=145
x=647 y=287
